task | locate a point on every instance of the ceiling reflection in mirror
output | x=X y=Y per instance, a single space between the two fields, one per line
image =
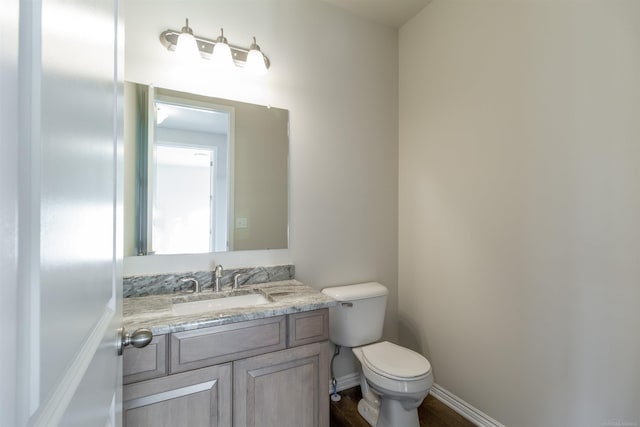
x=210 y=175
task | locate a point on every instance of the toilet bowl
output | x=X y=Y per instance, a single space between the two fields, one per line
x=394 y=380
x=399 y=378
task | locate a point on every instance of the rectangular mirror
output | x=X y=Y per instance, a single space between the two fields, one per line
x=211 y=175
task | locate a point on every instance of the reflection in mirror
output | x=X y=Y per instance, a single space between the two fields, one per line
x=190 y=172
x=210 y=174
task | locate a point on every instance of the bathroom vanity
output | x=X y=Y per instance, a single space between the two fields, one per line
x=258 y=365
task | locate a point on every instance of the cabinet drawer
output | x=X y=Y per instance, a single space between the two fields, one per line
x=147 y=362
x=219 y=344
x=308 y=327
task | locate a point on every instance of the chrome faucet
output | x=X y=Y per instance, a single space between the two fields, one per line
x=218 y=276
x=196 y=284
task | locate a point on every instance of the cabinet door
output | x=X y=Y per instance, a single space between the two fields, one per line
x=308 y=327
x=198 y=398
x=147 y=362
x=288 y=388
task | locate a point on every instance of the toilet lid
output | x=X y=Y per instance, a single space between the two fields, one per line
x=393 y=361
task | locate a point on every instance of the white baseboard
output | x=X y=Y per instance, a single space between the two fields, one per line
x=474 y=415
x=452 y=401
x=346 y=381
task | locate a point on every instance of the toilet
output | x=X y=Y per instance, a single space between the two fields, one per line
x=394 y=380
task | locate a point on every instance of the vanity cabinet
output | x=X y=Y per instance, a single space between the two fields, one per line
x=267 y=372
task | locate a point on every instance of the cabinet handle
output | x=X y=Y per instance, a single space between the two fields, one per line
x=140 y=338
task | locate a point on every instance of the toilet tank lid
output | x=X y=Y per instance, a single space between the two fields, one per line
x=356 y=292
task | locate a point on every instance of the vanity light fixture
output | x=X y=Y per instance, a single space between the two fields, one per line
x=252 y=59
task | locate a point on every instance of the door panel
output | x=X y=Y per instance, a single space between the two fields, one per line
x=71 y=279
x=9 y=34
x=77 y=180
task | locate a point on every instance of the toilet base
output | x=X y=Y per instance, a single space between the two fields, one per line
x=392 y=413
x=368 y=411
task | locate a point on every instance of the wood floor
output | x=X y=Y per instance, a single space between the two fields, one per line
x=432 y=412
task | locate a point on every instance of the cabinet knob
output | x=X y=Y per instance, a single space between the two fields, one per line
x=140 y=338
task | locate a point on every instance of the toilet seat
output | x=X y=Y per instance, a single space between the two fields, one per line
x=382 y=357
x=395 y=362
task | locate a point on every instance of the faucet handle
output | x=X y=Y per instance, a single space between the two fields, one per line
x=235 y=280
x=196 y=284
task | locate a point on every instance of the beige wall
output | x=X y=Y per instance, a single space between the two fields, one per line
x=519 y=238
x=337 y=75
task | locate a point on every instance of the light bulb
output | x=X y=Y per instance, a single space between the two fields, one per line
x=187 y=46
x=221 y=55
x=255 y=60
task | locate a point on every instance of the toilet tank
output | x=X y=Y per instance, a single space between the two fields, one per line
x=358 y=317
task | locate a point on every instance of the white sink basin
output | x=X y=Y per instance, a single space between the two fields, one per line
x=214 y=304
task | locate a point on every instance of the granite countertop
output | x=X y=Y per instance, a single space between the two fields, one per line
x=154 y=312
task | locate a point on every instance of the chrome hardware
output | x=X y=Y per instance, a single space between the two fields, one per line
x=235 y=280
x=346 y=304
x=196 y=284
x=218 y=276
x=140 y=338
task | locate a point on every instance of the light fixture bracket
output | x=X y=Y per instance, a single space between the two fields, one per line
x=169 y=39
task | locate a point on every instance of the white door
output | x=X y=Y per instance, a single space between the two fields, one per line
x=68 y=277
